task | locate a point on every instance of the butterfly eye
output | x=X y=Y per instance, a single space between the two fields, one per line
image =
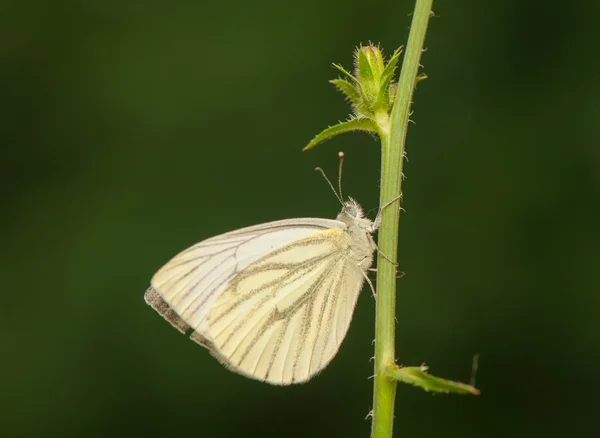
x=352 y=211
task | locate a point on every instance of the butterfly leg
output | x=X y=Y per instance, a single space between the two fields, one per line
x=380 y=252
x=400 y=275
x=377 y=223
x=386 y=257
x=365 y=274
x=370 y=283
x=378 y=218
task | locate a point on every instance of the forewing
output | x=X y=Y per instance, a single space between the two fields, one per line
x=184 y=289
x=283 y=318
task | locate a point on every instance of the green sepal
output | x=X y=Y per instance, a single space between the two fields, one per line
x=357 y=124
x=383 y=99
x=370 y=88
x=347 y=88
x=418 y=376
x=364 y=71
x=344 y=72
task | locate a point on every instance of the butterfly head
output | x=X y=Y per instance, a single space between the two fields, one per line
x=352 y=209
x=353 y=215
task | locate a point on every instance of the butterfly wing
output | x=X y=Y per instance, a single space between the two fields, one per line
x=272 y=301
x=193 y=279
x=284 y=317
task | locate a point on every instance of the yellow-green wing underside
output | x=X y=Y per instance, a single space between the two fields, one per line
x=280 y=318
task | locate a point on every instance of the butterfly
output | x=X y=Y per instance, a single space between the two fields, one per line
x=274 y=301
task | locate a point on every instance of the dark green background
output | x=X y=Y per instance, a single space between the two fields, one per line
x=130 y=130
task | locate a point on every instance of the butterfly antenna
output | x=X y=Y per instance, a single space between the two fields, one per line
x=341 y=155
x=318 y=169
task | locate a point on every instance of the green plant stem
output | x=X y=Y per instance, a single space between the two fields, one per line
x=393 y=135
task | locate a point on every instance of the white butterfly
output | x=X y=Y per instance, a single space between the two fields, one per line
x=274 y=301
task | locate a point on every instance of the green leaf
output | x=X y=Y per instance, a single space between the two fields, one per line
x=344 y=72
x=418 y=376
x=351 y=125
x=347 y=88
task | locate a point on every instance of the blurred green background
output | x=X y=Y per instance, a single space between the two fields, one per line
x=130 y=130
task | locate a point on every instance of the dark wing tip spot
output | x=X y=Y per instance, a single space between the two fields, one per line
x=154 y=300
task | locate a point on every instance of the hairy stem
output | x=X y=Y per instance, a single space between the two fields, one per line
x=393 y=135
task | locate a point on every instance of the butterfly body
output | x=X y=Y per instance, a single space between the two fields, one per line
x=274 y=301
x=360 y=230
